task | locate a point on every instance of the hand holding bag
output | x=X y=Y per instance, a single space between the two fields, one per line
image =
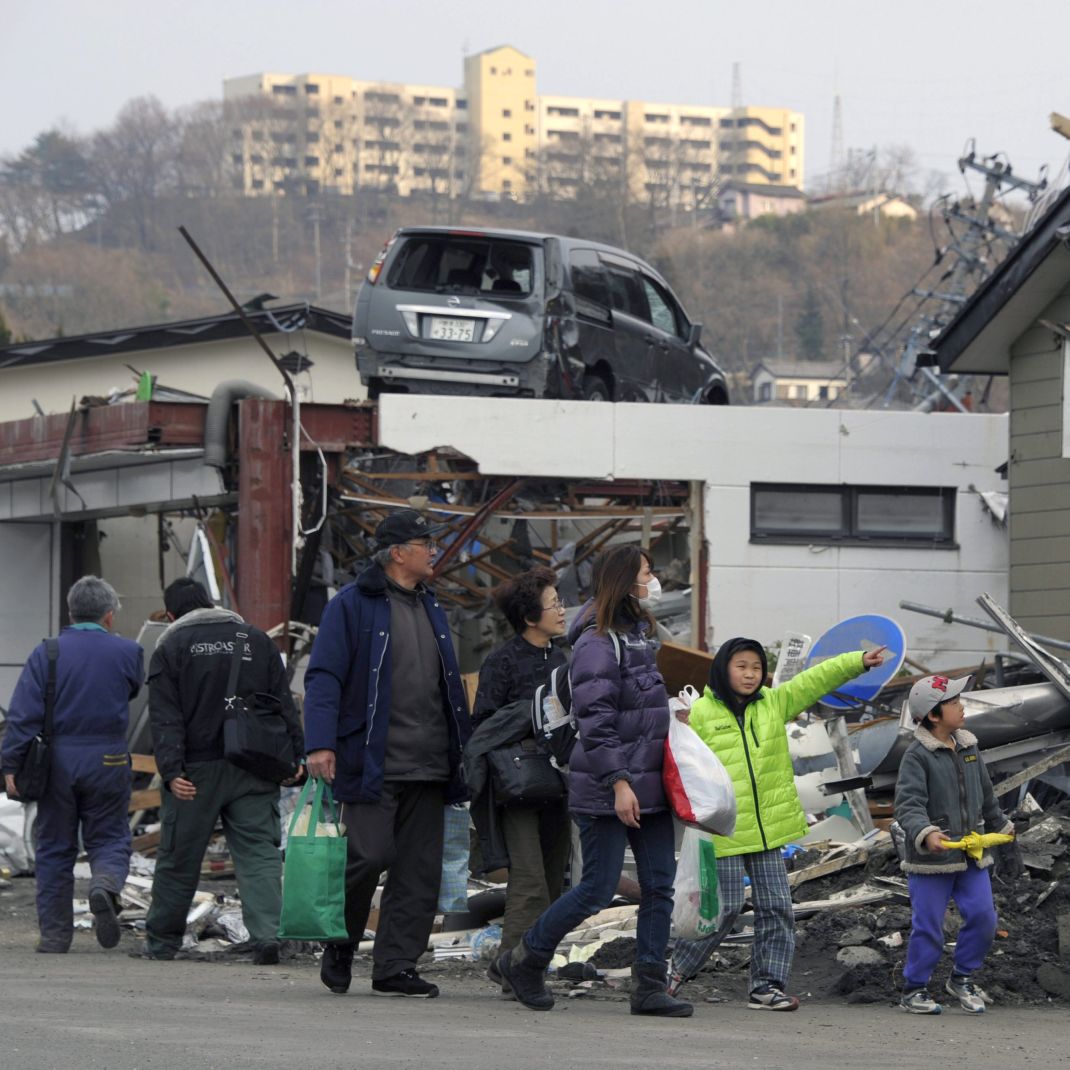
x=255 y=737
x=314 y=873
x=31 y=780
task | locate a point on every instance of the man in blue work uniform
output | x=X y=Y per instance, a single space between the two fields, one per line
x=97 y=674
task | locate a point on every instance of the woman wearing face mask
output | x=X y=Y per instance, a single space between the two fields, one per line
x=615 y=790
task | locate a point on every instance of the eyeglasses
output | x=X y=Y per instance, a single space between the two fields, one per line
x=429 y=545
x=557 y=605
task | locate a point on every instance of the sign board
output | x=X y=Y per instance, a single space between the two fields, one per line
x=861 y=633
x=792 y=658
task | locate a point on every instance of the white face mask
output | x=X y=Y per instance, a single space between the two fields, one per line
x=653 y=592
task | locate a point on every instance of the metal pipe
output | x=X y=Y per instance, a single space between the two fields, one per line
x=948 y=617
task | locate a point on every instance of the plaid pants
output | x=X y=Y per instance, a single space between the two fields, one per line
x=774 y=919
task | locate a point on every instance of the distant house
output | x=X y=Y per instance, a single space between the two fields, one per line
x=1017 y=324
x=748 y=200
x=886 y=205
x=798 y=383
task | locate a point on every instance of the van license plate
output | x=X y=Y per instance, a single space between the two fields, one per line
x=450 y=330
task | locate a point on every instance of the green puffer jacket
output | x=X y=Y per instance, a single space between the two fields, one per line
x=768 y=811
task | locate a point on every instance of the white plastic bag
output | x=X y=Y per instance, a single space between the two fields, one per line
x=697 y=784
x=696 y=909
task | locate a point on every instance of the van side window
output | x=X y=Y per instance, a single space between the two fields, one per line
x=588 y=278
x=626 y=293
x=663 y=311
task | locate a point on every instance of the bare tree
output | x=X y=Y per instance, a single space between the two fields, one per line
x=134 y=163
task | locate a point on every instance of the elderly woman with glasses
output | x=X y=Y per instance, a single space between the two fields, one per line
x=535 y=838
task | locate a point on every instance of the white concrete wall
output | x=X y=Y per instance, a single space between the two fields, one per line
x=197 y=368
x=763 y=590
x=28 y=605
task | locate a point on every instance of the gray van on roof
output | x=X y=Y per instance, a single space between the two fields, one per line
x=506 y=313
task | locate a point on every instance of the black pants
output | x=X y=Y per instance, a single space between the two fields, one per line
x=402 y=834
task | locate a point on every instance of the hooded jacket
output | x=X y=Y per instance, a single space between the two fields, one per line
x=622 y=715
x=748 y=735
x=944 y=789
x=347 y=688
x=188 y=677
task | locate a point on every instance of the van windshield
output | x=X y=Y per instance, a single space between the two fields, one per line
x=455 y=264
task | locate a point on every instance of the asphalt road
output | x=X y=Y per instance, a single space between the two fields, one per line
x=92 y=1009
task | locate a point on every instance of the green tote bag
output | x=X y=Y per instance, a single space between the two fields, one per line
x=314 y=874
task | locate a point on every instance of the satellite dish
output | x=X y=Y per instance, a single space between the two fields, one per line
x=860 y=633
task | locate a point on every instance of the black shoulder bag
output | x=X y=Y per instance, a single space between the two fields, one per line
x=255 y=736
x=31 y=781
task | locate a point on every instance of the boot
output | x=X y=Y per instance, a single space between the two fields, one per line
x=526 y=976
x=649 y=995
x=336 y=967
x=102 y=906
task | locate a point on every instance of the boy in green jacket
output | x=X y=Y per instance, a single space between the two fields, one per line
x=743 y=722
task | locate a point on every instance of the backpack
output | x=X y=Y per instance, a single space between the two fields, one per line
x=552 y=717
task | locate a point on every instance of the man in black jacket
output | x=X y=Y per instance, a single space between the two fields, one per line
x=188 y=678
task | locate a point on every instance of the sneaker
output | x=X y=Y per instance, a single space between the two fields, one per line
x=406 y=983
x=771 y=998
x=920 y=1002
x=336 y=967
x=970 y=997
x=105 y=922
x=266 y=954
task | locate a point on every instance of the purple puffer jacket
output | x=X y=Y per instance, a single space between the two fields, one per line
x=623 y=715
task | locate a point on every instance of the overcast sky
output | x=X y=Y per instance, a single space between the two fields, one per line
x=928 y=73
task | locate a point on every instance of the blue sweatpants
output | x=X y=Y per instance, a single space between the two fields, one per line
x=930 y=893
x=88 y=790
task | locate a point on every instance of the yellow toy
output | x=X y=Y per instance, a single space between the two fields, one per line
x=974 y=843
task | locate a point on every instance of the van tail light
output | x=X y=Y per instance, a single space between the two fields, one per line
x=376 y=269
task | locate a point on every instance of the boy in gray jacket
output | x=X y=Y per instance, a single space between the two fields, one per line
x=944 y=792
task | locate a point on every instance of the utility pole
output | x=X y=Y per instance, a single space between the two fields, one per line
x=968 y=246
x=835 y=175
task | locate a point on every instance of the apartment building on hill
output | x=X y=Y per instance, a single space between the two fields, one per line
x=496 y=137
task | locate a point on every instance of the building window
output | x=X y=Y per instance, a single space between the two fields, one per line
x=507 y=160
x=284 y=90
x=507 y=113
x=338 y=100
x=494 y=70
x=651 y=117
x=438 y=102
x=507 y=136
x=567 y=112
x=601 y=114
x=311 y=89
x=853 y=515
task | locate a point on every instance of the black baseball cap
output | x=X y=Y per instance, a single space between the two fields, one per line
x=404 y=526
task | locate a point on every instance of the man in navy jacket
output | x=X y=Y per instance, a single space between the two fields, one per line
x=385 y=720
x=97 y=674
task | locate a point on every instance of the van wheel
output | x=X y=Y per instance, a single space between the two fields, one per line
x=595 y=388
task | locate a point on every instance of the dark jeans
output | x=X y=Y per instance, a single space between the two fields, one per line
x=402 y=834
x=604 y=840
x=538 y=839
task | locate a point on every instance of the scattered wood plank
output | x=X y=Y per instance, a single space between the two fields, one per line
x=855 y=857
x=144 y=800
x=1016 y=781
